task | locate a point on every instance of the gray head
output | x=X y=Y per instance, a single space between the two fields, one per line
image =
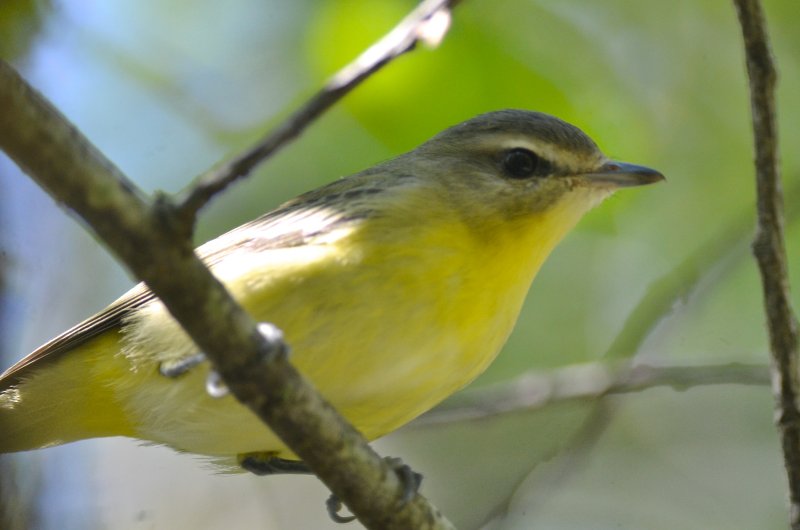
x=553 y=139
x=526 y=161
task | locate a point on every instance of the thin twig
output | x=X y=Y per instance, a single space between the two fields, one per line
x=768 y=245
x=427 y=23
x=535 y=390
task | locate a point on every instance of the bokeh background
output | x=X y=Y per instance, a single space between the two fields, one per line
x=167 y=88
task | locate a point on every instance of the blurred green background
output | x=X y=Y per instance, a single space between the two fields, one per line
x=167 y=88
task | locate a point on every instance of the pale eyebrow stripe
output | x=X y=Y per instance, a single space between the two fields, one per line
x=542 y=148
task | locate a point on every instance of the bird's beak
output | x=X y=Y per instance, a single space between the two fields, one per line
x=622 y=175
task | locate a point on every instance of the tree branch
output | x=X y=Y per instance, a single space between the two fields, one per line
x=152 y=238
x=535 y=390
x=427 y=23
x=768 y=245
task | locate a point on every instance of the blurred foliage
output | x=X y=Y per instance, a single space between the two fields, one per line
x=168 y=88
x=20 y=22
x=475 y=67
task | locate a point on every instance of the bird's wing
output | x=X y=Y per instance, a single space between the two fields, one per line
x=108 y=319
x=297 y=222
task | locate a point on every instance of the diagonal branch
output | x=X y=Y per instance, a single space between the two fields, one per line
x=427 y=23
x=151 y=239
x=768 y=245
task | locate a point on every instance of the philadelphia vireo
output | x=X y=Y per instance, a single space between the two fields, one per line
x=394 y=288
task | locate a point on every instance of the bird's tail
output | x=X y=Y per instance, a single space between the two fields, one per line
x=65 y=398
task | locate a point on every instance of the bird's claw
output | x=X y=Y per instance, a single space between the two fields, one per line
x=410 y=480
x=269 y=464
x=173 y=369
x=215 y=386
x=273 y=336
x=334 y=506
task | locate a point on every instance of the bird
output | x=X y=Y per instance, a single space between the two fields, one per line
x=394 y=287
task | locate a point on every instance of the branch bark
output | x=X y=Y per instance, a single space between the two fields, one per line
x=153 y=239
x=768 y=245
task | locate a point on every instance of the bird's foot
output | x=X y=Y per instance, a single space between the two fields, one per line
x=215 y=386
x=173 y=369
x=268 y=464
x=409 y=479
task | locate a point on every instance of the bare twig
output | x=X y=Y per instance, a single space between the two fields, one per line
x=151 y=240
x=427 y=23
x=535 y=390
x=768 y=245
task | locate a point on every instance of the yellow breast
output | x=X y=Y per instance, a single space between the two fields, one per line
x=386 y=323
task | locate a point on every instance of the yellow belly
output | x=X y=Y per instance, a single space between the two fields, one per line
x=386 y=335
x=385 y=323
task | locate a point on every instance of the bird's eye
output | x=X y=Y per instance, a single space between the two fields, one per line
x=521 y=163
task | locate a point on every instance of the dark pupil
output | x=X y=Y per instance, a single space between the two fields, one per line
x=521 y=163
